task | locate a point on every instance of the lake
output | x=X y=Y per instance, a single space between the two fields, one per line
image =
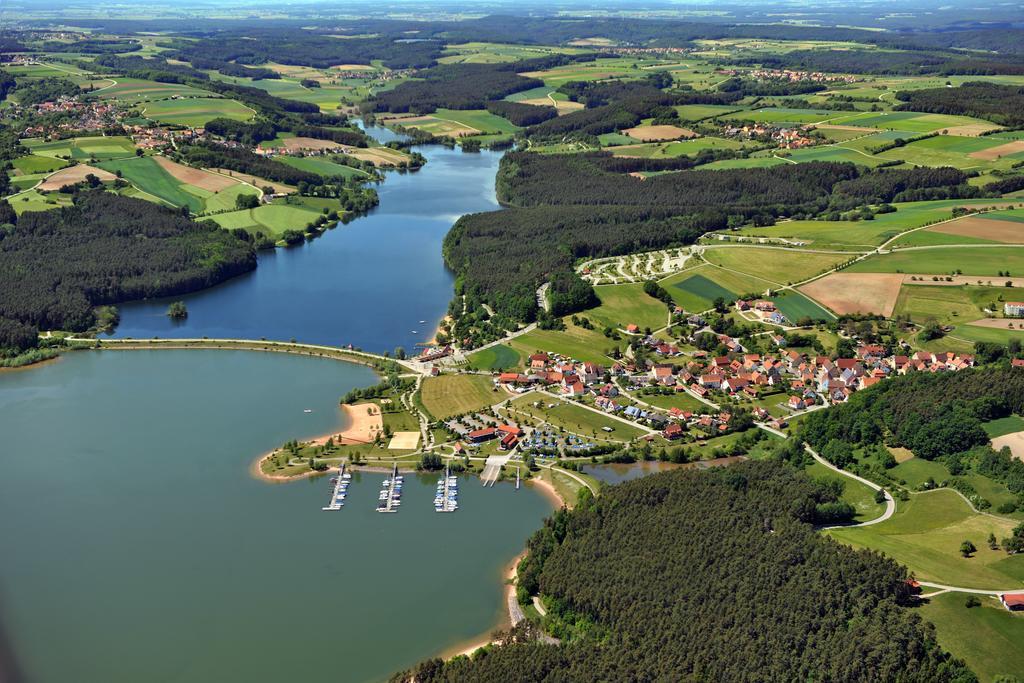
x=368 y=283
x=137 y=547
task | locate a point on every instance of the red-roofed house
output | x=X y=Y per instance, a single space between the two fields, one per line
x=1012 y=601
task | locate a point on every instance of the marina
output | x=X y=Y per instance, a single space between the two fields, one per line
x=446 y=499
x=391 y=492
x=339 y=490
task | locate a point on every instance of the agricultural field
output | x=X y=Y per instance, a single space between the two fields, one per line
x=845 y=293
x=136 y=90
x=72 y=175
x=177 y=185
x=699 y=112
x=697 y=288
x=622 y=305
x=987 y=637
x=914 y=122
x=925 y=535
x=194 y=112
x=780 y=115
x=447 y=395
x=958 y=152
x=982 y=261
x=33 y=164
x=835 y=153
x=779 y=266
x=460 y=123
x=321 y=166
x=493 y=53
x=83 y=149
x=285 y=213
x=32 y=200
x=678 y=148
x=796 y=306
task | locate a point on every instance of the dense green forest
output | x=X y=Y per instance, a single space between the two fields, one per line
x=1002 y=104
x=709 y=576
x=211 y=155
x=522 y=114
x=452 y=86
x=56 y=265
x=886 y=62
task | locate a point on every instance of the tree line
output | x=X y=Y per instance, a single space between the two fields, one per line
x=1001 y=104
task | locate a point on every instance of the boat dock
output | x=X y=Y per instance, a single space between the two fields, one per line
x=446 y=499
x=339 y=490
x=517 y=478
x=391 y=493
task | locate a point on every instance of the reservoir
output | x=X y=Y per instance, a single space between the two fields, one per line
x=137 y=547
x=368 y=283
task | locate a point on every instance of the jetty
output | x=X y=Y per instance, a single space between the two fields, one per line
x=339 y=489
x=492 y=468
x=446 y=498
x=517 y=479
x=391 y=492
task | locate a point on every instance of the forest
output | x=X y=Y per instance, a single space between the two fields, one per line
x=451 y=86
x=105 y=249
x=211 y=155
x=740 y=588
x=520 y=114
x=933 y=415
x=1001 y=104
x=910 y=63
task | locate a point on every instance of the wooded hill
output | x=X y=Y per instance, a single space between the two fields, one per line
x=56 y=265
x=709 y=576
x=1001 y=104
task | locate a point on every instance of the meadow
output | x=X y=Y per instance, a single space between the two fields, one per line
x=575 y=418
x=983 y=261
x=498 y=357
x=447 y=395
x=84 y=148
x=321 y=166
x=778 y=265
x=286 y=213
x=574 y=342
x=987 y=637
x=194 y=112
x=925 y=535
x=146 y=174
x=676 y=148
x=696 y=289
x=135 y=90
x=622 y=305
x=796 y=306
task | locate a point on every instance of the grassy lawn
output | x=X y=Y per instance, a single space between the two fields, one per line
x=1004 y=425
x=32 y=163
x=574 y=342
x=622 y=305
x=447 y=395
x=988 y=637
x=321 y=166
x=678 y=399
x=861 y=497
x=500 y=357
x=781 y=266
x=984 y=261
x=925 y=535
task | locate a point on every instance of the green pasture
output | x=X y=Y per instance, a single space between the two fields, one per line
x=912 y=121
x=82 y=149
x=676 y=148
x=778 y=265
x=925 y=535
x=270 y=219
x=133 y=90
x=194 y=112
x=697 y=288
x=946 y=304
x=796 y=306
x=574 y=342
x=699 y=112
x=780 y=115
x=34 y=164
x=749 y=162
x=1004 y=425
x=481 y=119
x=987 y=637
x=37 y=201
x=831 y=153
x=622 y=305
x=983 y=261
x=146 y=174
x=860 y=496
x=575 y=418
x=499 y=357
x=321 y=166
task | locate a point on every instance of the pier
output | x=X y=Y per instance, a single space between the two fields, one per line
x=340 y=489
x=446 y=499
x=391 y=493
x=492 y=468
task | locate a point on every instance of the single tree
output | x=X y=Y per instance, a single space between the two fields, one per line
x=967 y=549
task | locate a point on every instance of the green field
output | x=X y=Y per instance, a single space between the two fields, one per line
x=132 y=90
x=194 y=112
x=832 y=153
x=983 y=261
x=697 y=288
x=781 y=266
x=947 y=304
x=500 y=357
x=288 y=213
x=33 y=164
x=915 y=122
x=749 y=162
x=677 y=148
x=699 y=112
x=988 y=637
x=1004 y=425
x=35 y=201
x=447 y=395
x=321 y=166
x=796 y=306
x=83 y=149
x=781 y=115
x=481 y=119
x=146 y=174
x=622 y=305
x=574 y=342
x=925 y=535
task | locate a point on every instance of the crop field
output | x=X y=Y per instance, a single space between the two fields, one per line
x=983 y=261
x=23 y=182
x=447 y=395
x=749 y=162
x=666 y=150
x=697 y=288
x=132 y=90
x=648 y=133
x=321 y=166
x=150 y=177
x=832 y=153
x=83 y=149
x=43 y=70
x=622 y=305
x=925 y=535
x=194 y=112
x=499 y=357
x=781 y=115
x=36 y=201
x=915 y=122
x=72 y=175
x=944 y=304
x=846 y=293
x=32 y=163
x=986 y=228
x=781 y=266
x=796 y=306
x=987 y=637
x=950 y=150
x=699 y=112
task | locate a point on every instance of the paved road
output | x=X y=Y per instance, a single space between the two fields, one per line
x=890 y=504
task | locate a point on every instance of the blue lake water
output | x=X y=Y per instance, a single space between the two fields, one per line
x=368 y=283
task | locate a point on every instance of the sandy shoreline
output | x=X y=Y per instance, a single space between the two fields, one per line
x=364 y=423
x=548 y=491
